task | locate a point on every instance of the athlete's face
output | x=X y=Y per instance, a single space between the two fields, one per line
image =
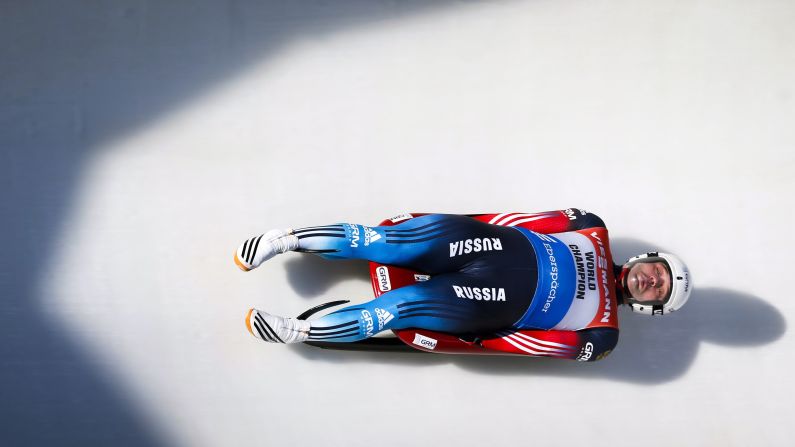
x=648 y=281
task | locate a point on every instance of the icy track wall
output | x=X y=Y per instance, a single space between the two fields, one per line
x=141 y=142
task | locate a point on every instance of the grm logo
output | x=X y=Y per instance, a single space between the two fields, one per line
x=425 y=342
x=382 y=274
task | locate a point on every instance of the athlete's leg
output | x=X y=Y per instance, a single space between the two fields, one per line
x=435 y=243
x=455 y=303
x=396 y=245
x=399 y=245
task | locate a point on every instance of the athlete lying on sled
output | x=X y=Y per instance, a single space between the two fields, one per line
x=535 y=284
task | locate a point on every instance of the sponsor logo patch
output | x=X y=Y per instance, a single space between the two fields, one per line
x=553 y=276
x=382 y=274
x=368 y=323
x=420 y=278
x=425 y=342
x=354 y=235
x=570 y=214
x=480 y=293
x=370 y=235
x=586 y=270
x=687 y=281
x=475 y=245
x=586 y=352
x=384 y=317
x=401 y=217
x=601 y=262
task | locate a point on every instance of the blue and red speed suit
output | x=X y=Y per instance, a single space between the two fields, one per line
x=549 y=290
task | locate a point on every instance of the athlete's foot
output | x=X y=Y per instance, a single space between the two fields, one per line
x=276 y=329
x=260 y=248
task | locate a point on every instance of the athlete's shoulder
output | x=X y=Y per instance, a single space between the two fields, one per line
x=580 y=219
x=596 y=343
x=547 y=222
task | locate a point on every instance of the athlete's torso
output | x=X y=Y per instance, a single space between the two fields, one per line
x=549 y=270
x=575 y=287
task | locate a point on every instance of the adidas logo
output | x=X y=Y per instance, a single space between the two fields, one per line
x=370 y=235
x=384 y=317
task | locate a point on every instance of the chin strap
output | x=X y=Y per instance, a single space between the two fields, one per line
x=621 y=286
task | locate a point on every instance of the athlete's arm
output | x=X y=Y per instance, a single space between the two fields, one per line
x=547 y=222
x=587 y=345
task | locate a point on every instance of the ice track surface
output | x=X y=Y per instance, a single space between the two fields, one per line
x=143 y=141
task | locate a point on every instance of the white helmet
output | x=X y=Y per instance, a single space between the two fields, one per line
x=680 y=284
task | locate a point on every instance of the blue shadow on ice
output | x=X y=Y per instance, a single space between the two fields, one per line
x=75 y=75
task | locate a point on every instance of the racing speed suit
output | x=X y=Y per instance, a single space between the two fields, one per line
x=548 y=274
